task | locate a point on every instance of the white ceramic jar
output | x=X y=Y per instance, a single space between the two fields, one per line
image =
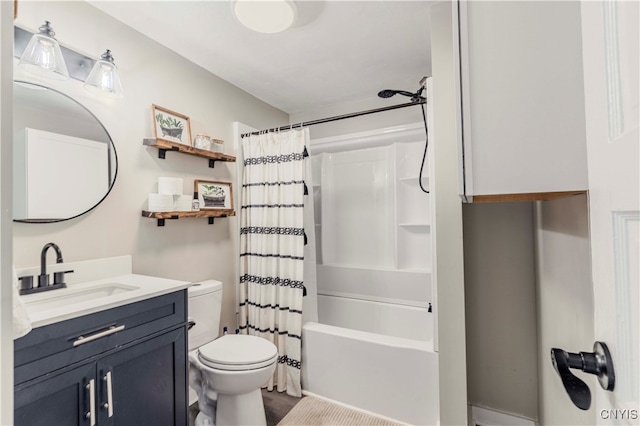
x=216 y=145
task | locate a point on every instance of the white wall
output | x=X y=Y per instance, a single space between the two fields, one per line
x=186 y=249
x=6 y=100
x=565 y=302
x=449 y=266
x=528 y=289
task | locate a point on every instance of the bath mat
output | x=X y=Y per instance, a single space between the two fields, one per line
x=314 y=411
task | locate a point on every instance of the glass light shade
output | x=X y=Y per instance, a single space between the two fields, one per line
x=104 y=77
x=265 y=16
x=43 y=56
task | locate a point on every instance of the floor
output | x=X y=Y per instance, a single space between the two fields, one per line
x=276 y=406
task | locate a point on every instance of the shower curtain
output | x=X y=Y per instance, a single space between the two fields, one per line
x=272 y=240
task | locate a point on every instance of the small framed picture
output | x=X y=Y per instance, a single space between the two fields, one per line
x=170 y=126
x=214 y=195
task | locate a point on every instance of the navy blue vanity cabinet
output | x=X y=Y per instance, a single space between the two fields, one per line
x=60 y=399
x=135 y=376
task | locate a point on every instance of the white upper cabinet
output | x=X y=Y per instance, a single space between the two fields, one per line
x=522 y=114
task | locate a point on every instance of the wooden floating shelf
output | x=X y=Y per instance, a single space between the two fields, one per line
x=165 y=146
x=210 y=214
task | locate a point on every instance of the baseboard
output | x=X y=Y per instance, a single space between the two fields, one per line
x=487 y=417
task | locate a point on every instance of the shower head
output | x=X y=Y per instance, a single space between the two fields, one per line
x=387 y=93
x=415 y=97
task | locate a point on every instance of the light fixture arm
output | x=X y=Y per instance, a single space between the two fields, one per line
x=107 y=56
x=46 y=29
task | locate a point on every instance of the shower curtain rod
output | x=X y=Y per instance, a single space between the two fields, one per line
x=336 y=118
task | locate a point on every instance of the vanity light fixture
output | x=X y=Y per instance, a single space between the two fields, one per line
x=265 y=16
x=104 y=77
x=43 y=56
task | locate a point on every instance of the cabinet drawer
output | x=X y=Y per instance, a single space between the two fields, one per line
x=48 y=348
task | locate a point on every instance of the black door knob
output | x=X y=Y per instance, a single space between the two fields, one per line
x=598 y=362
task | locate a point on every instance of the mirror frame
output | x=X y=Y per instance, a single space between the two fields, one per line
x=112 y=148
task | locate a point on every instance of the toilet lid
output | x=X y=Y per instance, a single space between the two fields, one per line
x=238 y=352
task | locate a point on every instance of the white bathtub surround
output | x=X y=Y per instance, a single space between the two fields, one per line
x=272 y=247
x=310 y=302
x=357 y=208
x=389 y=319
x=374 y=345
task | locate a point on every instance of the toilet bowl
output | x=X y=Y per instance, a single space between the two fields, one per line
x=234 y=367
x=225 y=373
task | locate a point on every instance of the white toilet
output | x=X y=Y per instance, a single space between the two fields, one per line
x=225 y=373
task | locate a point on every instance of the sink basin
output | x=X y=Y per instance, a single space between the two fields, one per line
x=68 y=296
x=96 y=286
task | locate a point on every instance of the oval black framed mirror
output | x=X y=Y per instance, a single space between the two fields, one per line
x=64 y=160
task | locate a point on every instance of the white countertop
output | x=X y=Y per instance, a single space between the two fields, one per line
x=57 y=305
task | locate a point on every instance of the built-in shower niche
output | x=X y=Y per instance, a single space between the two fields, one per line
x=370 y=211
x=316 y=177
x=413 y=218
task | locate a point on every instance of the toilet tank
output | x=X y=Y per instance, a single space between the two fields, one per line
x=205 y=304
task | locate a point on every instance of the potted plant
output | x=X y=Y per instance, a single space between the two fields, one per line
x=170 y=126
x=213 y=195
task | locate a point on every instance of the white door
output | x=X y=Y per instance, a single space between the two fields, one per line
x=610 y=49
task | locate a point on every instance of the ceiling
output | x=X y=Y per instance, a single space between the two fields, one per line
x=337 y=51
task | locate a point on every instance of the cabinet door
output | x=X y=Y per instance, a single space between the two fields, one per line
x=147 y=381
x=63 y=399
x=523 y=122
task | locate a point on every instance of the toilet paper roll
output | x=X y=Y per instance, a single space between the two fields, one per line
x=170 y=185
x=160 y=203
x=182 y=203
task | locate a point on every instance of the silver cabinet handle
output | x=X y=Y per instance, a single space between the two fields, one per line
x=113 y=329
x=109 y=404
x=92 y=402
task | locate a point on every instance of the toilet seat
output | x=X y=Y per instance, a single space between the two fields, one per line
x=234 y=352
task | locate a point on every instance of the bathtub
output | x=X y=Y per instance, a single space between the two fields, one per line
x=396 y=377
